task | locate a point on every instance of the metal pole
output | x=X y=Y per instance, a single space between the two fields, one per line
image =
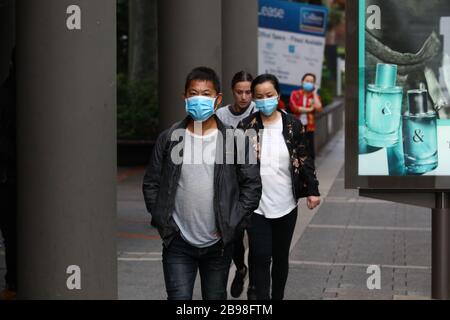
x=441 y=248
x=66 y=112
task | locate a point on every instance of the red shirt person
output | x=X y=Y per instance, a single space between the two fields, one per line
x=282 y=105
x=304 y=104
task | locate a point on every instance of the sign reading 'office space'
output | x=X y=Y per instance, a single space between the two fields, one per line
x=291 y=41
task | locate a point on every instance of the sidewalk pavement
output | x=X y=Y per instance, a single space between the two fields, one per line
x=332 y=248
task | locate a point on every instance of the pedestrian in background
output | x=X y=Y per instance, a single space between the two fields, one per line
x=287 y=174
x=197 y=206
x=232 y=114
x=305 y=104
x=242 y=105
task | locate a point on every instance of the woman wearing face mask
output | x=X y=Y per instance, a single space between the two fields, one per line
x=304 y=104
x=287 y=174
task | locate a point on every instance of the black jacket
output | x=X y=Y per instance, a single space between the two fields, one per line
x=237 y=188
x=303 y=172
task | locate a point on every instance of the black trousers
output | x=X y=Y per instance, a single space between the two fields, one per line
x=239 y=256
x=8 y=225
x=270 y=241
x=239 y=251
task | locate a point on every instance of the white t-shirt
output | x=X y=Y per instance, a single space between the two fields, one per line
x=227 y=117
x=277 y=199
x=194 y=200
x=304 y=116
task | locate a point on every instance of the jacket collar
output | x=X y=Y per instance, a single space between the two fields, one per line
x=260 y=122
x=220 y=125
x=220 y=144
x=284 y=119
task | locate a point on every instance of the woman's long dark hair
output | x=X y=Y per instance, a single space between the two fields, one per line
x=241 y=76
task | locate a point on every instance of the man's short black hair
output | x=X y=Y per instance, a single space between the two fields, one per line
x=203 y=74
x=266 y=78
x=309 y=75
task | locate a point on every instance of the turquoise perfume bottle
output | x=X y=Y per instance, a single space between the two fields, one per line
x=383 y=108
x=420 y=134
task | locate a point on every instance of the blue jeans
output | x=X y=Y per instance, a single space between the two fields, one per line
x=181 y=261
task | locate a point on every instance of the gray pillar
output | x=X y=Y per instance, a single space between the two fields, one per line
x=239 y=41
x=66 y=149
x=189 y=35
x=142 y=40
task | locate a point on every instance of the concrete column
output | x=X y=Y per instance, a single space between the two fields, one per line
x=189 y=36
x=239 y=41
x=66 y=149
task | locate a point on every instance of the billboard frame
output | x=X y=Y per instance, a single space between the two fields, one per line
x=352 y=178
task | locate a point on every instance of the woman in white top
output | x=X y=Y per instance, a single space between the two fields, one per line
x=287 y=174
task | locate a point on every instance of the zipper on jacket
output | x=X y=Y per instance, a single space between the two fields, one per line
x=293 y=182
x=173 y=193
x=217 y=205
x=291 y=167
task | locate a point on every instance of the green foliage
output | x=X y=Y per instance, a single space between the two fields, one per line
x=328 y=88
x=137 y=109
x=335 y=17
x=326 y=95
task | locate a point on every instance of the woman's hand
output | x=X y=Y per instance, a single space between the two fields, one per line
x=305 y=110
x=316 y=102
x=313 y=202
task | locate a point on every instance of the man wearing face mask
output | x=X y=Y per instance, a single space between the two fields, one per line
x=304 y=104
x=197 y=199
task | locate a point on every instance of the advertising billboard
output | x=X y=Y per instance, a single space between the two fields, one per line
x=291 y=41
x=400 y=94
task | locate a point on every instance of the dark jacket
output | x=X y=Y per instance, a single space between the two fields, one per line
x=237 y=188
x=303 y=172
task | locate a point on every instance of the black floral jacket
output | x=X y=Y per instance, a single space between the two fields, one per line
x=304 y=180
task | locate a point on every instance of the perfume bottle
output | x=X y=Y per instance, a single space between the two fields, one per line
x=383 y=108
x=420 y=134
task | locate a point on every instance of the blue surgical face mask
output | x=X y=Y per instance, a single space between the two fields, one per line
x=200 y=108
x=267 y=106
x=308 y=86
